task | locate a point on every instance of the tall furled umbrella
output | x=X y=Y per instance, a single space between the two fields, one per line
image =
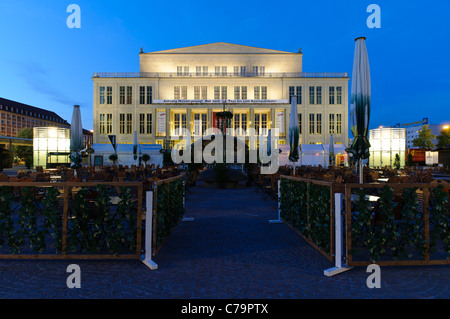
x=294 y=133
x=135 y=147
x=360 y=105
x=76 y=139
x=331 y=151
x=269 y=142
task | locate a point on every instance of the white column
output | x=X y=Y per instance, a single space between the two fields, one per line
x=148 y=232
x=338 y=232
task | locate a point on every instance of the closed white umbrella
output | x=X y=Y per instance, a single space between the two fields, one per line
x=135 y=147
x=331 y=150
x=76 y=138
x=360 y=105
x=294 y=133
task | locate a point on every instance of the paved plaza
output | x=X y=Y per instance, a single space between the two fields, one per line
x=230 y=250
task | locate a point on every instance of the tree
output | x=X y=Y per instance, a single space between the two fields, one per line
x=443 y=138
x=145 y=158
x=113 y=158
x=24 y=151
x=397 y=161
x=424 y=139
x=409 y=161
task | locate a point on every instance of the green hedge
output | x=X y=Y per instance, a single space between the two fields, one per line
x=170 y=209
x=401 y=238
x=33 y=221
x=306 y=207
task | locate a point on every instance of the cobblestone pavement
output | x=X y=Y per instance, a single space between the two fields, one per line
x=231 y=251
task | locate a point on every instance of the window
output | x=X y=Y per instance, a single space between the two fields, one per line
x=339 y=95
x=179 y=70
x=176 y=92
x=224 y=71
x=331 y=123
x=149 y=123
x=149 y=95
x=186 y=70
x=108 y=123
x=318 y=95
x=338 y=123
x=142 y=123
x=240 y=123
x=145 y=95
x=179 y=120
x=101 y=124
x=255 y=70
x=200 y=123
x=257 y=91
x=311 y=95
x=299 y=94
x=237 y=92
x=217 y=70
x=145 y=123
x=315 y=95
x=261 y=123
x=108 y=99
x=102 y=95
x=264 y=92
x=331 y=95
x=291 y=93
x=129 y=123
x=204 y=92
x=196 y=92
x=243 y=70
x=205 y=71
x=257 y=122
x=262 y=70
x=311 y=123
x=224 y=92
x=198 y=70
x=244 y=92
x=184 y=92
x=217 y=92
x=122 y=123
x=319 y=123
x=129 y=94
x=295 y=90
x=236 y=71
x=142 y=95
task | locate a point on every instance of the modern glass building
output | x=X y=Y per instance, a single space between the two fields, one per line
x=51 y=146
x=385 y=143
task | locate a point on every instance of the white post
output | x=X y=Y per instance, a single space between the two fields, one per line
x=278 y=221
x=339 y=235
x=148 y=232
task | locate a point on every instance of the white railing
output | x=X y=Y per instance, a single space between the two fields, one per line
x=222 y=75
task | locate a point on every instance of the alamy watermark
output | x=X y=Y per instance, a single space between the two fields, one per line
x=374 y=280
x=374 y=20
x=74 y=20
x=229 y=148
x=74 y=280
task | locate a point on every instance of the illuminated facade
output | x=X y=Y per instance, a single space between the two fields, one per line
x=51 y=145
x=385 y=143
x=185 y=88
x=16 y=116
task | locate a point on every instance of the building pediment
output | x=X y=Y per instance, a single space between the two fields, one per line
x=220 y=48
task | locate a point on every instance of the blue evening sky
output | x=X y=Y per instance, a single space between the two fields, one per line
x=45 y=64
